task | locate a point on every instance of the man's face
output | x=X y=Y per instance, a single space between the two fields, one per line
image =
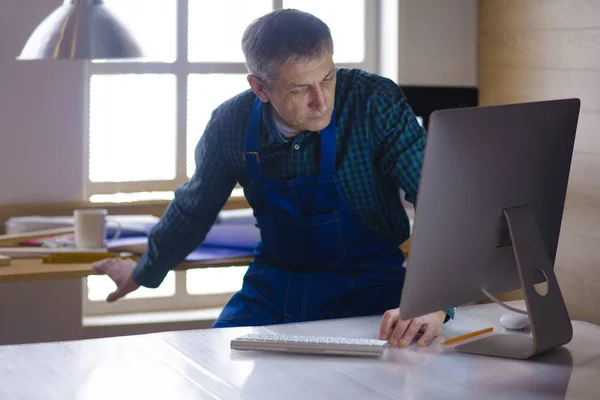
x=303 y=93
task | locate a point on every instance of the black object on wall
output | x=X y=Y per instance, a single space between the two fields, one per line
x=426 y=99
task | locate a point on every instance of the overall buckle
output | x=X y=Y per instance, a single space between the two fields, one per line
x=253 y=153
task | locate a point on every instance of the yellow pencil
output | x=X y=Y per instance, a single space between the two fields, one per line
x=467 y=336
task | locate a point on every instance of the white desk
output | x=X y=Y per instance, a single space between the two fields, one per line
x=199 y=365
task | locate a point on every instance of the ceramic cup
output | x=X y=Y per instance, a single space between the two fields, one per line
x=90 y=228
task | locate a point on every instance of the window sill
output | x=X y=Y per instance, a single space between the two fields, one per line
x=148 y=318
x=156 y=197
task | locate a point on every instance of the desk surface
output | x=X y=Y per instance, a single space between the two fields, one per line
x=199 y=364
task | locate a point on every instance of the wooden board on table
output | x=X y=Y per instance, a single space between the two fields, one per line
x=34 y=269
x=15 y=239
x=39 y=252
x=4 y=261
x=81 y=257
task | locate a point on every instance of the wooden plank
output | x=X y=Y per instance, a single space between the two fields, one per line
x=4 y=261
x=588 y=133
x=503 y=15
x=580 y=292
x=14 y=239
x=584 y=178
x=79 y=258
x=578 y=255
x=580 y=250
x=38 y=252
x=513 y=85
x=582 y=214
x=540 y=48
x=577 y=272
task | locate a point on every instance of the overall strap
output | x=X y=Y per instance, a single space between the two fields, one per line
x=250 y=154
x=328 y=141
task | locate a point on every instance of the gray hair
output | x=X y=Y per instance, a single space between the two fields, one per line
x=283 y=36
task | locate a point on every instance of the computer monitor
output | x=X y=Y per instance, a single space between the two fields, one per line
x=488 y=217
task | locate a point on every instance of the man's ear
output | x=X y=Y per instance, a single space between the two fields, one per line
x=259 y=88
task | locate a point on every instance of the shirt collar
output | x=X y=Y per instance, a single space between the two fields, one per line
x=275 y=137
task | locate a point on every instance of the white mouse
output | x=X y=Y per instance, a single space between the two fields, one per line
x=514 y=321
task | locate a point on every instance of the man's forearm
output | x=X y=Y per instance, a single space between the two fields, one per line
x=171 y=240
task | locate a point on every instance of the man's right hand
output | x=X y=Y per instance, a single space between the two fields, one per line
x=121 y=272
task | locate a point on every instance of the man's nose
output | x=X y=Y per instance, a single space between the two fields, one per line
x=318 y=100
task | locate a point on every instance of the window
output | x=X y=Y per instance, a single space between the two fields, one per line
x=146 y=116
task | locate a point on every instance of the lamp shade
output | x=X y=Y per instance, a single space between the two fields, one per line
x=81 y=30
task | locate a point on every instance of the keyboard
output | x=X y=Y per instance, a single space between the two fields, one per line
x=310 y=344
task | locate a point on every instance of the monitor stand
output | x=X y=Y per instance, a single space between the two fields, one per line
x=549 y=320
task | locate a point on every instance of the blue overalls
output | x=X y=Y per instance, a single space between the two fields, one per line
x=316 y=260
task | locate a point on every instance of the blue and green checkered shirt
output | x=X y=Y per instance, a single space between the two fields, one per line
x=380 y=149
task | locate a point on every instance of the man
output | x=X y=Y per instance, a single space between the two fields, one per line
x=322 y=154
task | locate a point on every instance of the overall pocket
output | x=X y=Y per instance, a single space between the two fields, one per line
x=304 y=243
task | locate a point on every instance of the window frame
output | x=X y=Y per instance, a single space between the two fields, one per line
x=182 y=68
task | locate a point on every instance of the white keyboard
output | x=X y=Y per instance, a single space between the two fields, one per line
x=310 y=344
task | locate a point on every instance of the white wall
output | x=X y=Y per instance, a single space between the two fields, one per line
x=40 y=311
x=41 y=120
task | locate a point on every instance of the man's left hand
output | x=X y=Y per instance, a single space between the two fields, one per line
x=402 y=332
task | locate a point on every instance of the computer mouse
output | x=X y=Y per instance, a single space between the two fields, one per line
x=514 y=321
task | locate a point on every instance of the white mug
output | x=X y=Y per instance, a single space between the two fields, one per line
x=90 y=228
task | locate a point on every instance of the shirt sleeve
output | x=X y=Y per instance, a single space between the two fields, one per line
x=192 y=212
x=401 y=145
x=450 y=314
x=400 y=139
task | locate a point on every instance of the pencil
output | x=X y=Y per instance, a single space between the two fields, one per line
x=467 y=336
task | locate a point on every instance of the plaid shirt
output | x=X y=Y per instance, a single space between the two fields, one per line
x=380 y=149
